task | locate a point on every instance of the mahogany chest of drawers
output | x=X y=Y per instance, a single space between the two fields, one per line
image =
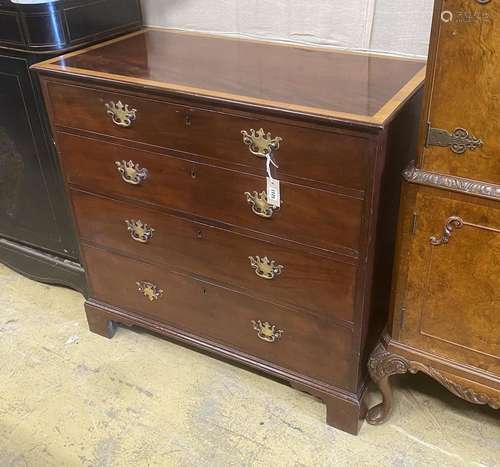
x=166 y=141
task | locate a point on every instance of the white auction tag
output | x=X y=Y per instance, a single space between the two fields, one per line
x=273 y=192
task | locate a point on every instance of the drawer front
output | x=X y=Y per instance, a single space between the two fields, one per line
x=333 y=158
x=307 y=345
x=312 y=282
x=309 y=216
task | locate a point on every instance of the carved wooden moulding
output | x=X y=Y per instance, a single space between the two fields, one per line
x=383 y=364
x=450 y=182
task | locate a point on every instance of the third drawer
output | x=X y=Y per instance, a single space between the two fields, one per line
x=312 y=282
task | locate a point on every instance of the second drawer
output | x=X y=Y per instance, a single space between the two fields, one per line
x=312 y=282
x=309 y=216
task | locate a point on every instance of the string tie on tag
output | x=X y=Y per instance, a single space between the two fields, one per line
x=270 y=161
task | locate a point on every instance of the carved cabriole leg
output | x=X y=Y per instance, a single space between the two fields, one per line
x=382 y=365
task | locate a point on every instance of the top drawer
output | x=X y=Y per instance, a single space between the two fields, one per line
x=307 y=153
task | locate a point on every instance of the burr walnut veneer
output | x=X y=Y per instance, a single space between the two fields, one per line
x=446 y=303
x=164 y=140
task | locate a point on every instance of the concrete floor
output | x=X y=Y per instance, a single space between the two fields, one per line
x=72 y=398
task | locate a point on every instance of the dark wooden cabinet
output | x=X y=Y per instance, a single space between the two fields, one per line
x=24 y=167
x=445 y=309
x=37 y=236
x=166 y=171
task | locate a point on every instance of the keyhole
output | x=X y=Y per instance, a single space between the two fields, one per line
x=188 y=120
x=204 y=291
x=199 y=235
x=193 y=173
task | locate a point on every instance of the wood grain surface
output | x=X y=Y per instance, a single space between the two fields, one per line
x=464 y=89
x=308 y=345
x=216 y=193
x=361 y=87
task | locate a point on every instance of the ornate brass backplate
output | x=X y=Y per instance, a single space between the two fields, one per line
x=139 y=231
x=259 y=204
x=260 y=143
x=131 y=172
x=266 y=331
x=459 y=141
x=121 y=114
x=265 y=268
x=151 y=291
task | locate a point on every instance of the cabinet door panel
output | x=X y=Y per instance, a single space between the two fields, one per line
x=465 y=87
x=453 y=287
x=32 y=208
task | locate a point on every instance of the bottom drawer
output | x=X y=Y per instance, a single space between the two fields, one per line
x=306 y=345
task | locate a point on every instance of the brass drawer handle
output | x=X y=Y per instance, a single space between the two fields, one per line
x=131 y=172
x=265 y=268
x=260 y=143
x=121 y=114
x=266 y=331
x=259 y=204
x=139 y=231
x=151 y=291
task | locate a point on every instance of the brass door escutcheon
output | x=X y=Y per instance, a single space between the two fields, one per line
x=121 y=114
x=139 y=231
x=131 y=172
x=259 y=204
x=260 y=143
x=265 y=268
x=151 y=291
x=266 y=331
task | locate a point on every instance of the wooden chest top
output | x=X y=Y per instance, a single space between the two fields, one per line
x=354 y=87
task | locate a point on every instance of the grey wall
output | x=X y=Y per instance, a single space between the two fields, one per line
x=398 y=27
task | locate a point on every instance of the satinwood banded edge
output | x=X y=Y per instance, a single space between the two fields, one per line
x=380 y=118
